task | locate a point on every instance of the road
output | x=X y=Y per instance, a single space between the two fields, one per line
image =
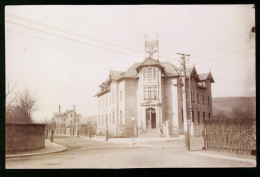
x=85 y=153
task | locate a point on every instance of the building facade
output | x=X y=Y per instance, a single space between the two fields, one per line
x=67 y=122
x=151 y=91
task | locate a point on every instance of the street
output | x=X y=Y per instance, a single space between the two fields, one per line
x=84 y=153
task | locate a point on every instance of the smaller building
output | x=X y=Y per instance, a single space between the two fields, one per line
x=67 y=123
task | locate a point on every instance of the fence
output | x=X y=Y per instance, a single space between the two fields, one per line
x=237 y=136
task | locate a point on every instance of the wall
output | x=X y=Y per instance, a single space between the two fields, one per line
x=131 y=101
x=24 y=137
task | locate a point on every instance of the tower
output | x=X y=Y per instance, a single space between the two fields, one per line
x=152 y=48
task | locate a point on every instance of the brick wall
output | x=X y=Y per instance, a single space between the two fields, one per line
x=24 y=137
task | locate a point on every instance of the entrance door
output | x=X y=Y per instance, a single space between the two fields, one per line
x=150 y=118
x=153 y=120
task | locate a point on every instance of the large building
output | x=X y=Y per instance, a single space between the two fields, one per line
x=67 y=122
x=151 y=91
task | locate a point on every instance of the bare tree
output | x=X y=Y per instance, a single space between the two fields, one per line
x=26 y=104
x=8 y=92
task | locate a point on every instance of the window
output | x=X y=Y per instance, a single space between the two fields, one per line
x=198 y=98
x=109 y=118
x=120 y=96
x=193 y=116
x=149 y=76
x=106 y=120
x=102 y=103
x=150 y=93
x=144 y=73
x=121 y=117
x=204 y=116
x=110 y=100
x=113 y=98
x=198 y=117
x=192 y=96
x=155 y=93
x=145 y=93
x=203 y=99
x=113 y=118
x=209 y=115
x=154 y=74
x=208 y=101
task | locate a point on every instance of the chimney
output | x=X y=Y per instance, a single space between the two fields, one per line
x=59 y=108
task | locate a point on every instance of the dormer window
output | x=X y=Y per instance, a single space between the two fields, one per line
x=149 y=76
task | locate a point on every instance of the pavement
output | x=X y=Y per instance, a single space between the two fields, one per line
x=174 y=144
x=50 y=147
x=118 y=153
x=171 y=142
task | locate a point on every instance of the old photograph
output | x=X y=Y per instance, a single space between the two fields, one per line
x=130 y=86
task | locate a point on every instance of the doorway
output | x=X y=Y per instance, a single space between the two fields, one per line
x=150 y=118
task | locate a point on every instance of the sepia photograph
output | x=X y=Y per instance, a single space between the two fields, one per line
x=130 y=86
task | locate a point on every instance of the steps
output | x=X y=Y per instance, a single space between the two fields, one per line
x=149 y=133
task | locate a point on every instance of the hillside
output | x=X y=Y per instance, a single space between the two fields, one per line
x=228 y=104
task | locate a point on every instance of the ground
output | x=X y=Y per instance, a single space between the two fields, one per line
x=84 y=153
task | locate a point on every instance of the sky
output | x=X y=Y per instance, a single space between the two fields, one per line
x=62 y=53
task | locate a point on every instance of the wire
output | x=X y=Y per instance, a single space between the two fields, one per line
x=91 y=38
x=81 y=49
x=67 y=38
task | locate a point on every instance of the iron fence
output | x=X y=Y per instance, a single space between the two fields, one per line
x=237 y=136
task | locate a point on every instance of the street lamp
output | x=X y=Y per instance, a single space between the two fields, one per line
x=133 y=129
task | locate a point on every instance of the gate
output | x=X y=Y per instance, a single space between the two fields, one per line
x=237 y=136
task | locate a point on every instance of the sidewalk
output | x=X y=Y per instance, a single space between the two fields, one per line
x=50 y=147
x=154 y=142
x=177 y=142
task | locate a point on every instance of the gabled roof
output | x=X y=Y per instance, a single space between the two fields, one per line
x=192 y=72
x=170 y=69
x=131 y=72
x=116 y=74
x=149 y=62
x=206 y=76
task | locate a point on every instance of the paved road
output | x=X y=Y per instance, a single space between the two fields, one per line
x=84 y=153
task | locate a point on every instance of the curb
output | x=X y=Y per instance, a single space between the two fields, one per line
x=34 y=154
x=224 y=157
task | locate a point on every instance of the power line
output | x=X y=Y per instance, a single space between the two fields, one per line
x=76 y=34
x=245 y=36
x=81 y=49
x=68 y=38
x=232 y=53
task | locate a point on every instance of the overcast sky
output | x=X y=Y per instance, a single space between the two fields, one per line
x=62 y=53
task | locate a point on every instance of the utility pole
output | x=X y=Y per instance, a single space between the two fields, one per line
x=185 y=118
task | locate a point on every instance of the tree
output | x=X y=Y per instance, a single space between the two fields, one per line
x=26 y=105
x=21 y=107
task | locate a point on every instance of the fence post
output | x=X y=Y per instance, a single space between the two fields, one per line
x=89 y=132
x=46 y=137
x=52 y=132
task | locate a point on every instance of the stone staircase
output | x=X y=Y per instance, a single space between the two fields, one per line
x=150 y=133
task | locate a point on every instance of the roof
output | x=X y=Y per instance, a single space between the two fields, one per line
x=116 y=74
x=206 y=76
x=131 y=72
x=168 y=69
x=203 y=76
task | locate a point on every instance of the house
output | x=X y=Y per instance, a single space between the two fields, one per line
x=67 y=123
x=151 y=92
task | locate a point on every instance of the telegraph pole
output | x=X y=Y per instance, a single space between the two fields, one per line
x=184 y=93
